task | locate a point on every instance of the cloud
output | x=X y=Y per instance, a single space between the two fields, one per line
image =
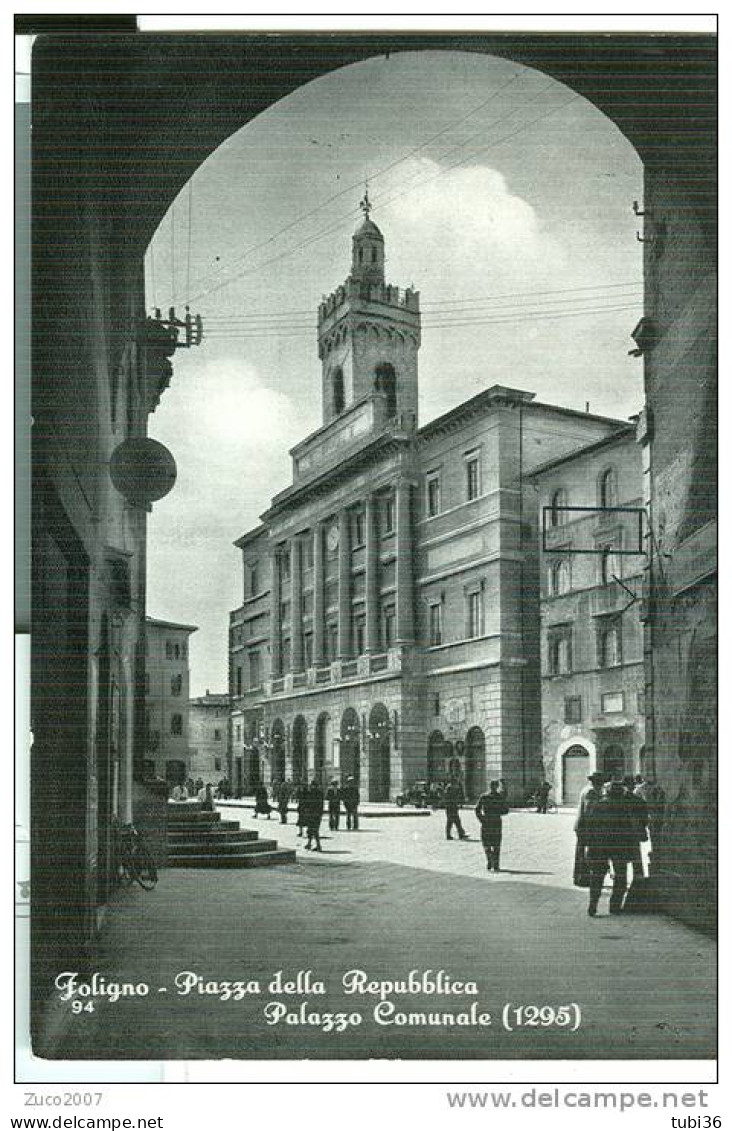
x=493 y=234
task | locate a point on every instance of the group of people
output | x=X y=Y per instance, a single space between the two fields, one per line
x=207 y=793
x=311 y=802
x=614 y=819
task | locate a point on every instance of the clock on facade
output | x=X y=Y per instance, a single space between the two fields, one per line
x=332 y=539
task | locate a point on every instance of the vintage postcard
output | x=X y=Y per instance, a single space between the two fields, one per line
x=373 y=653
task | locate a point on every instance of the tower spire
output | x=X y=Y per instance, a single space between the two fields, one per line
x=366 y=205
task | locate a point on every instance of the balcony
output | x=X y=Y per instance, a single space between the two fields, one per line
x=337 y=673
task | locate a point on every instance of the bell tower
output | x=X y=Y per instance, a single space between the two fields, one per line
x=368 y=337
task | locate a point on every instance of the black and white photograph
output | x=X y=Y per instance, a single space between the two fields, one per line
x=373 y=572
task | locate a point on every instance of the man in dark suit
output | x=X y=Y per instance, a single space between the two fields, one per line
x=610 y=835
x=490 y=811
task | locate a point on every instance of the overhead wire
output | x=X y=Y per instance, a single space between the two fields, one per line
x=380 y=172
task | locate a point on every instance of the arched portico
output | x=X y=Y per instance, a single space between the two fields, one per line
x=350 y=760
x=379 y=754
x=299 y=749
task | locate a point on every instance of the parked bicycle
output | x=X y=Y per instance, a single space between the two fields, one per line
x=134 y=859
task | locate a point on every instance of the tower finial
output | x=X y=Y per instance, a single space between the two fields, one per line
x=366 y=204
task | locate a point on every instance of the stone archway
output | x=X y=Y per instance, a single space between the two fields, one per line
x=299 y=750
x=379 y=754
x=278 y=758
x=436 y=757
x=475 y=776
x=350 y=760
x=323 y=747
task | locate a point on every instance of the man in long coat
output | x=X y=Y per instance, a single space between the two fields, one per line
x=610 y=832
x=589 y=796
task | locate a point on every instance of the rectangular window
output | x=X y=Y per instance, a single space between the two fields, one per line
x=183 y=651
x=612 y=702
x=253 y=581
x=308 y=551
x=573 y=709
x=239 y=683
x=176 y=685
x=609 y=642
x=286 y=654
x=284 y=559
x=176 y=651
x=433 y=495
x=359 y=635
x=389 y=514
x=284 y=612
x=331 y=640
x=641 y=702
x=560 y=650
x=238 y=732
x=436 y=703
x=255 y=675
x=358 y=528
x=436 y=624
x=217 y=765
x=389 y=626
x=472 y=477
x=217 y=735
x=176 y=724
x=168 y=649
x=475 y=615
x=307 y=646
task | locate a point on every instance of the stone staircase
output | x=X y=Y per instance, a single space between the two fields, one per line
x=198 y=839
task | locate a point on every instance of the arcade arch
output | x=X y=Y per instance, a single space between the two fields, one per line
x=379 y=754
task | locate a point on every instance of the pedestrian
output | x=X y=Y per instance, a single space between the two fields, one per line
x=180 y=793
x=542 y=797
x=333 y=797
x=199 y=785
x=261 y=802
x=275 y=790
x=610 y=829
x=283 y=798
x=351 y=798
x=490 y=811
x=302 y=791
x=452 y=797
x=639 y=813
x=207 y=799
x=589 y=796
x=314 y=815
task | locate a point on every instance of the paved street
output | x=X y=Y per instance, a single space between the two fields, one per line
x=393 y=897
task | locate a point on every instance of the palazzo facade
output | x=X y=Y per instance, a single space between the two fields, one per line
x=389 y=625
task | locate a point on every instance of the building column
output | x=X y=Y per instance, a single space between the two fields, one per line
x=296 y=610
x=344 y=585
x=404 y=568
x=318 y=597
x=372 y=576
x=275 y=634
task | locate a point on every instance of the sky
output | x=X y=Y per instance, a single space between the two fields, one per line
x=503 y=197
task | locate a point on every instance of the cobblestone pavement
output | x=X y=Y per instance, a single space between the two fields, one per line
x=395 y=897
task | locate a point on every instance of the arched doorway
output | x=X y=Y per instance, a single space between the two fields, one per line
x=350 y=764
x=323 y=747
x=379 y=754
x=436 y=757
x=575 y=768
x=175 y=772
x=475 y=782
x=277 y=737
x=299 y=750
x=255 y=770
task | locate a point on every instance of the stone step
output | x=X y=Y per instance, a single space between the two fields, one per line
x=240 y=860
x=195 y=816
x=224 y=848
x=203 y=830
x=208 y=836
